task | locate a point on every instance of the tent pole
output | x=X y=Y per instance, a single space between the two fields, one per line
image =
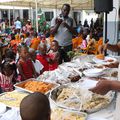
x=36 y=15
x=9 y=17
x=13 y=14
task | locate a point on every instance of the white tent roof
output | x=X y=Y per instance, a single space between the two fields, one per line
x=75 y=4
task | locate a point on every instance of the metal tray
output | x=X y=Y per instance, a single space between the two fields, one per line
x=10 y=99
x=57 y=113
x=19 y=86
x=55 y=93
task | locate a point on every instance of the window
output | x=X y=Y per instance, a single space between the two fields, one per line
x=48 y=16
x=25 y=14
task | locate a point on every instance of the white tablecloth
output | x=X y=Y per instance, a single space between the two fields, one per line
x=104 y=114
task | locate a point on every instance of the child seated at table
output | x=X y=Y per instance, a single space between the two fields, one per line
x=84 y=42
x=35 y=106
x=8 y=75
x=25 y=65
x=42 y=56
x=54 y=55
x=37 y=64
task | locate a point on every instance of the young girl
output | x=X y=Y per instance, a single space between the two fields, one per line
x=25 y=66
x=53 y=55
x=84 y=42
x=8 y=75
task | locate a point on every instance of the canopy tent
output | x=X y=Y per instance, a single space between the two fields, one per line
x=75 y=4
x=54 y=4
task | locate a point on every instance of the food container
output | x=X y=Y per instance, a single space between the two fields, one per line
x=12 y=99
x=71 y=102
x=37 y=86
x=63 y=114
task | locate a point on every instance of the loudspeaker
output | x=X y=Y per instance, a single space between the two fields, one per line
x=103 y=6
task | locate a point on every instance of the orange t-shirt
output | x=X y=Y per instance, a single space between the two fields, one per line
x=34 y=43
x=14 y=44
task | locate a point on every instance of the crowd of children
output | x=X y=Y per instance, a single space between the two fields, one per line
x=27 y=56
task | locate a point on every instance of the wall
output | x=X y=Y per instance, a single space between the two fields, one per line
x=112 y=25
x=113 y=19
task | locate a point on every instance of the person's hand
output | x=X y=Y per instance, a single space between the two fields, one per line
x=102 y=87
x=59 y=21
x=65 y=24
x=102 y=48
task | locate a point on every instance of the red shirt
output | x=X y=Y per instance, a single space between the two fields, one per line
x=43 y=60
x=27 y=68
x=54 y=65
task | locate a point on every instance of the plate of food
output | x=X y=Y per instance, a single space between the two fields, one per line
x=94 y=72
x=101 y=59
x=63 y=114
x=32 y=85
x=72 y=98
x=12 y=99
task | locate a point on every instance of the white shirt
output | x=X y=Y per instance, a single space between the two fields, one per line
x=63 y=35
x=38 y=66
x=18 y=24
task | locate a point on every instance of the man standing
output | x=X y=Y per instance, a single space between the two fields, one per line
x=18 y=25
x=62 y=29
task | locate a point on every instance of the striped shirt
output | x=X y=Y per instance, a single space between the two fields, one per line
x=6 y=83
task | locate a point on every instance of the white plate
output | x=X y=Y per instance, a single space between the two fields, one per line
x=95 y=72
x=70 y=64
x=105 y=61
x=96 y=118
x=2 y=108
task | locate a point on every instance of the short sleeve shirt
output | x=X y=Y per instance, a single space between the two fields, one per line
x=38 y=66
x=18 y=25
x=63 y=35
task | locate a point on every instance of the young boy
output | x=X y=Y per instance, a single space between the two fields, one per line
x=35 y=106
x=37 y=64
x=42 y=56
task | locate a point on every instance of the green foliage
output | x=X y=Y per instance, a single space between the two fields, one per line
x=72 y=54
x=42 y=24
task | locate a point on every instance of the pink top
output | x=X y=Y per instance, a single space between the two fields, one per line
x=6 y=83
x=84 y=44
